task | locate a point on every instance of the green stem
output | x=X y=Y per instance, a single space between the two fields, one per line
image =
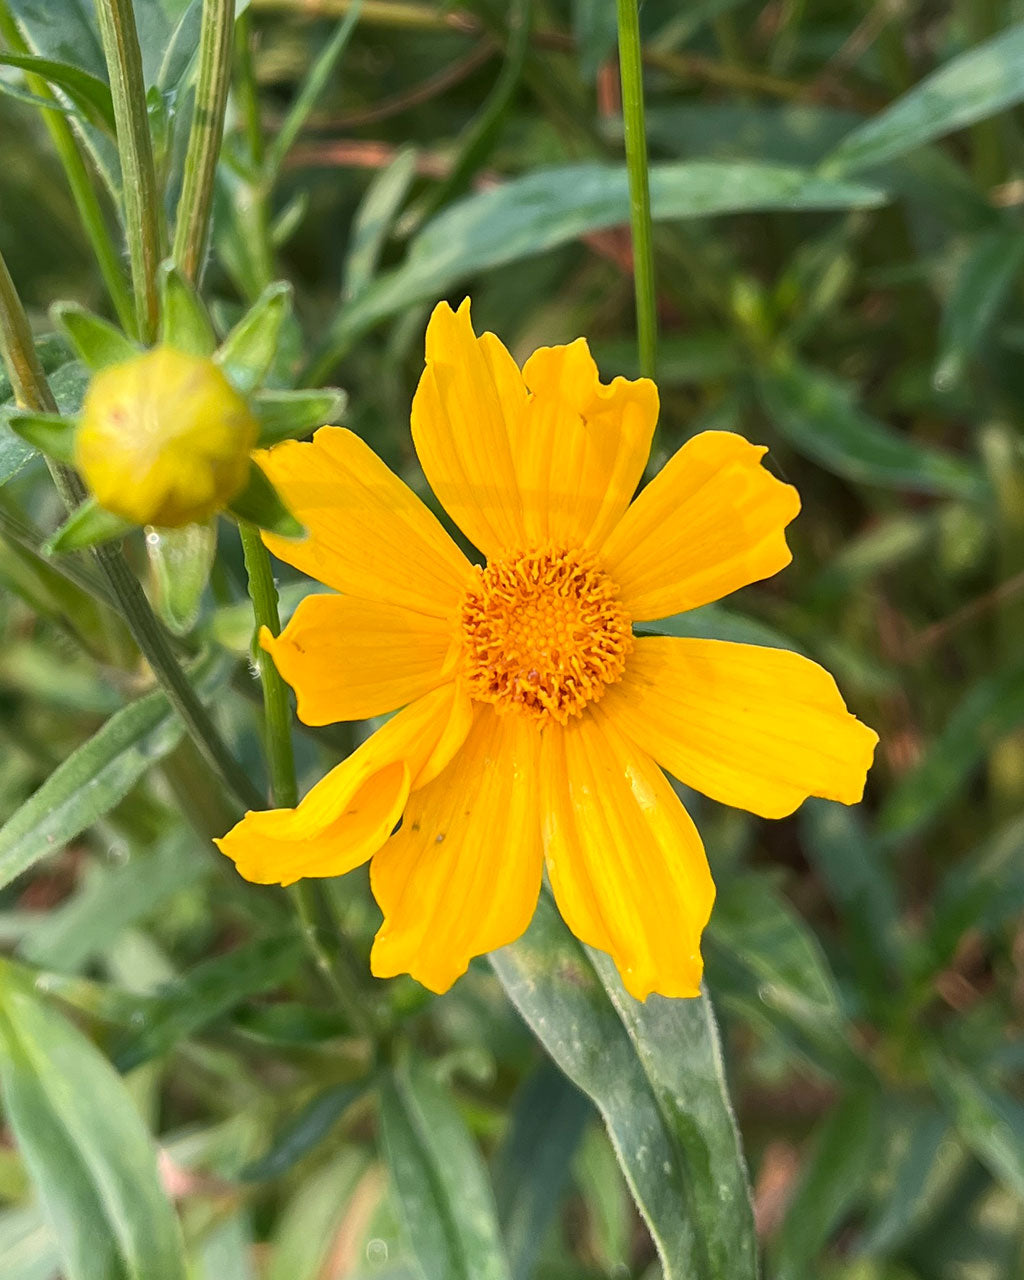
x=135 y=147
x=193 y=217
x=263 y=593
x=322 y=931
x=82 y=191
x=33 y=392
x=258 y=219
x=631 y=72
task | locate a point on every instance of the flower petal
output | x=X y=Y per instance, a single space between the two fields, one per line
x=711 y=521
x=351 y=811
x=760 y=729
x=582 y=447
x=369 y=535
x=462 y=874
x=469 y=394
x=626 y=864
x=350 y=659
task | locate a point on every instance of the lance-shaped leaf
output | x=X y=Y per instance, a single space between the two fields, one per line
x=89 y=94
x=97 y=341
x=95 y=777
x=655 y=1072
x=248 y=351
x=260 y=504
x=89 y=525
x=440 y=1181
x=184 y=322
x=85 y=1145
x=50 y=432
x=288 y=415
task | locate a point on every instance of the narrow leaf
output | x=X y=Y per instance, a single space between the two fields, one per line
x=97 y=341
x=816 y=414
x=89 y=525
x=89 y=94
x=181 y=560
x=248 y=351
x=439 y=1178
x=374 y=219
x=977 y=84
x=990 y=1122
x=288 y=415
x=79 y=1131
x=980 y=288
x=655 y=1072
x=94 y=778
x=51 y=433
x=260 y=505
x=184 y=323
x=531 y=1168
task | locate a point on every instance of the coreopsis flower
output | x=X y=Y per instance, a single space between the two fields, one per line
x=164 y=438
x=532 y=724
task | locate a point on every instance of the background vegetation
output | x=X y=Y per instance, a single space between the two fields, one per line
x=837 y=189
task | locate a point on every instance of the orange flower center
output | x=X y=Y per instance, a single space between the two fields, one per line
x=543 y=633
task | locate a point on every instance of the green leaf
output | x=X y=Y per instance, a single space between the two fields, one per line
x=66 y=31
x=15 y=452
x=816 y=414
x=248 y=351
x=438 y=1176
x=181 y=560
x=260 y=505
x=68 y=936
x=89 y=525
x=374 y=220
x=308 y=1226
x=982 y=892
x=184 y=322
x=531 y=1168
x=303 y=1132
x=980 y=288
x=287 y=415
x=990 y=1122
x=842 y=1161
x=89 y=94
x=988 y=711
x=550 y=207
x=979 y=83
x=764 y=961
x=315 y=82
x=49 y=432
x=860 y=884
x=97 y=341
x=715 y=622
x=655 y=1072
x=595 y=31
x=85 y=1145
x=95 y=777
x=209 y=991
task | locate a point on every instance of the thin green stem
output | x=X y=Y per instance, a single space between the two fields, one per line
x=321 y=929
x=135 y=146
x=82 y=191
x=258 y=211
x=631 y=72
x=193 y=216
x=33 y=392
x=278 y=723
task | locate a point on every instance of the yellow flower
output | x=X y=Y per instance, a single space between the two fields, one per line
x=534 y=725
x=164 y=438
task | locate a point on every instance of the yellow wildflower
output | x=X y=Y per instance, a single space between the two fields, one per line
x=534 y=726
x=164 y=438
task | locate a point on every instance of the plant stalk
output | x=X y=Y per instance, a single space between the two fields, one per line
x=142 y=217
x=631 y=72
x=192 y=223
x=82 y=191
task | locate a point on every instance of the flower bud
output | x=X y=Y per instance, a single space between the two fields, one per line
x=164 y=438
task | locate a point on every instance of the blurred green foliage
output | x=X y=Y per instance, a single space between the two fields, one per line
x=837 y=188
